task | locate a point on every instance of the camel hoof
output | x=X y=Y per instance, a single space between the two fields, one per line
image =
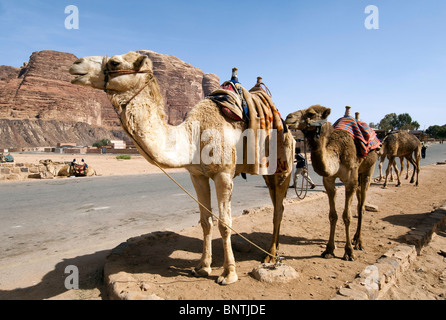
x=202 y=272
x=357 y=244
x=269 y=259
x=226 y=279
x=349 y=257
x=327 y=255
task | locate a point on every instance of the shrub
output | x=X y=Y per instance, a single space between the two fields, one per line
x=123 y=157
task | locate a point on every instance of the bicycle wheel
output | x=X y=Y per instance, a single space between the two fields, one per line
x=300 y=185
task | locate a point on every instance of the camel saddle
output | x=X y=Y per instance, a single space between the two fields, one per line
x=256 y=108
x=365 y=138
x=80 y=170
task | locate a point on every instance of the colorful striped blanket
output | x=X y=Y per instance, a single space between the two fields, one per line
x=365 y=138
x=263 y=117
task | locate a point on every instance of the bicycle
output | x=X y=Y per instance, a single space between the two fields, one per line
x=301 y=182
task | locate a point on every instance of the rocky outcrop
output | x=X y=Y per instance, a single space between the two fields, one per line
x=38 y=133
x=43 y=91
x=41 y=107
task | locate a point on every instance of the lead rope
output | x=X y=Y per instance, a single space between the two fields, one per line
x=277 y=257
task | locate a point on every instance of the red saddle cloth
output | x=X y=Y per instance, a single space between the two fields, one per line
x=80 y=170
x=365 y=138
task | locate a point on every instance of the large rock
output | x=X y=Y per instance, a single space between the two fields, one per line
x=40 y=91
x=43 y=91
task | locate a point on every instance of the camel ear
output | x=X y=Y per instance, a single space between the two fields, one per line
x=137 y=65
x=326 y=113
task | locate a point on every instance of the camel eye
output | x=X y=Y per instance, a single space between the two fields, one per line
x=311 y=115
x=114 y=63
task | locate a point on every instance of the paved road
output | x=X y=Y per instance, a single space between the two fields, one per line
x=47 y=222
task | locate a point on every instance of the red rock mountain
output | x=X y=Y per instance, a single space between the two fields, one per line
x=40 y=107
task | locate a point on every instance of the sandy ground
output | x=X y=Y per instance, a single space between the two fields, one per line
x=163 y=265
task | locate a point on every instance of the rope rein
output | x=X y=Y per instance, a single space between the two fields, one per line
x=125 y=72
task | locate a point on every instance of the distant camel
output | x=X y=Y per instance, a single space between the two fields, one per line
x=402 y=144
x=62 y=169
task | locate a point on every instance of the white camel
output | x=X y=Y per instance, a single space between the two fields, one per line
x=133 y=90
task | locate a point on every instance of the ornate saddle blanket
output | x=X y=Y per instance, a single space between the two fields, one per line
x=256 y=108
x=80 y=170
x=365 y=138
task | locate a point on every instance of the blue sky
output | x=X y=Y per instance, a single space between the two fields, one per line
x=308 y=52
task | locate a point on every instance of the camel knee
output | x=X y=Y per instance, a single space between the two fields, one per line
x=333 y=218
x=224 y=228
x=346 y=218
x=206 y=224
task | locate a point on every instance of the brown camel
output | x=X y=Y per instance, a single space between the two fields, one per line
x=133 y=90
x=402 y=144
x=334 y=155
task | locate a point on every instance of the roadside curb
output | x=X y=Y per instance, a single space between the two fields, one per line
x=375 y=280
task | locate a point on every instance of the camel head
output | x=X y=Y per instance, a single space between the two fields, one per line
x=130 y=71
x=88 y=72
x=306 y=120
x=119 y=73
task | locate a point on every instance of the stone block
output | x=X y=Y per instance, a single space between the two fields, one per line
x=273 y=273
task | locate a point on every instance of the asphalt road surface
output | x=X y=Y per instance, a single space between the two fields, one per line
x=47 y=225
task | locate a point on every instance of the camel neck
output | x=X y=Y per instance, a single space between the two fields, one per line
x=145 y=122
x=320 y=155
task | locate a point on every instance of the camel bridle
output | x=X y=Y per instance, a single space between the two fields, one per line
x=107 y=74
x=318 y=125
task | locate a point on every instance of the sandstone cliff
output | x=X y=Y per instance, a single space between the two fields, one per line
x=40 y=107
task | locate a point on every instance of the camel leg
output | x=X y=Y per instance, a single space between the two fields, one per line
x=381 y=161
x=408 y=168
x=350 y=188
x=223 y=186
x=329 y=184
x=418 y=160
x=361 y=194
x=416 y=166
x=277 y=193
x=203 y=190
x=402 y=167
x=390 y=165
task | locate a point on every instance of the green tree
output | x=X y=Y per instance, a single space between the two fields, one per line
x=395 y=122
x=403 y=121
x=389 y=122
x=433 y=131
x=101 y=143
